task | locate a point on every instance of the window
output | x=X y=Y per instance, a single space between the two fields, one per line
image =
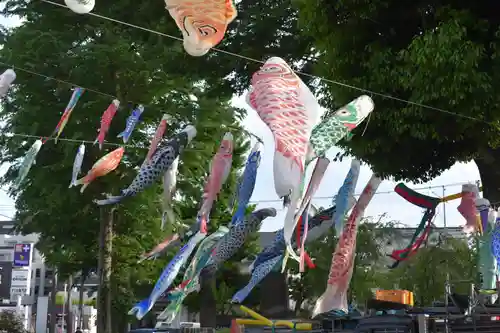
x=5 y=255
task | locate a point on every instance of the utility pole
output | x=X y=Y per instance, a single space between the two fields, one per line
x=69 y=306
x=53 y=304
x=444 y=206
x=101 y=316
x=63 y=313
x=104 y=322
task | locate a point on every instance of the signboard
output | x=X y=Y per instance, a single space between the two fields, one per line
x=15 y=292
x=60 y=300
x=20 y=278
x=22 y=255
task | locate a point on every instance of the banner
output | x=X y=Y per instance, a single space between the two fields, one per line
x=22 y=255
x=20 y=278
x=15 y=292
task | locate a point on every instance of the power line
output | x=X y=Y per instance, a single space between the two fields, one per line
x=358 y=194
x=241 y=57
x=331 y=197
x=86 y=141
x=298 y=72
x=249 y=133
x=58 y=80
x=9 y=217
x=223 y=126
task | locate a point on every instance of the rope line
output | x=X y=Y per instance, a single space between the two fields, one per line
x=378 y=192
x=425 y=106
x=87 y=141
x=111 y=96
x=327 y=197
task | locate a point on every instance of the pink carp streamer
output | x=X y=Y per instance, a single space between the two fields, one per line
x=316 y=178
x=290 y=110
x=219 y=171
x=159 y=249
x=335 y=295
x=160 y=131
x=106 y=119
x=467 y=207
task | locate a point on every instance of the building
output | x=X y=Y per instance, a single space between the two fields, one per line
x=25 y=280
x=18 y=262
x=404 y=236
x=400 y=241
x=32 y=283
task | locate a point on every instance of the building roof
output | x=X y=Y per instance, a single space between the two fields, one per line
x=6 y=227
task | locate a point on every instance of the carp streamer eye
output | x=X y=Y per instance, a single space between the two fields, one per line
x=207 y=30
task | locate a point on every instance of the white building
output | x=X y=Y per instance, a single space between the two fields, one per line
x=405 y=235
x=30 y=284
x=18 y=263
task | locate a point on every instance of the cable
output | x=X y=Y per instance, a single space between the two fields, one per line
x=331 y=197
x=86 y=141
x=145 y=105
x=358 y=194
x=9 y=217
x=111 y=96
x=57 y=80
x=297 y=72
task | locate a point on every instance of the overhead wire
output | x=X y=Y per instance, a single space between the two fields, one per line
x=332 y=196
x=358 y=194
x=234 y=55
x=111 y=96
x=342 y=84
x=9 y=217
x=218 y=50
x=87 y=141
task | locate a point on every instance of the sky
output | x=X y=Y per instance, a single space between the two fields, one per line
x=384 y=202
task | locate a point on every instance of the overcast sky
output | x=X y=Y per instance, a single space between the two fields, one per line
x=385 y=201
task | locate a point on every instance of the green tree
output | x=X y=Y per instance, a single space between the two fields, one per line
x=214 y=298
x=426 y=272
x=443 y=54
x=136 y=67
x=370 y=246
x=10 y=322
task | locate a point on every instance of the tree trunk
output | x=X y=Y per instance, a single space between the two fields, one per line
x=104 y=271
x=107 y=269
x=489 y=171
x=298 y=305
x=53 y=305
x=83 y=276
x=120 y=321
x=208 y=309
x=68 y=306
x=274 y=301
x=100 y=306
x=107 y=266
